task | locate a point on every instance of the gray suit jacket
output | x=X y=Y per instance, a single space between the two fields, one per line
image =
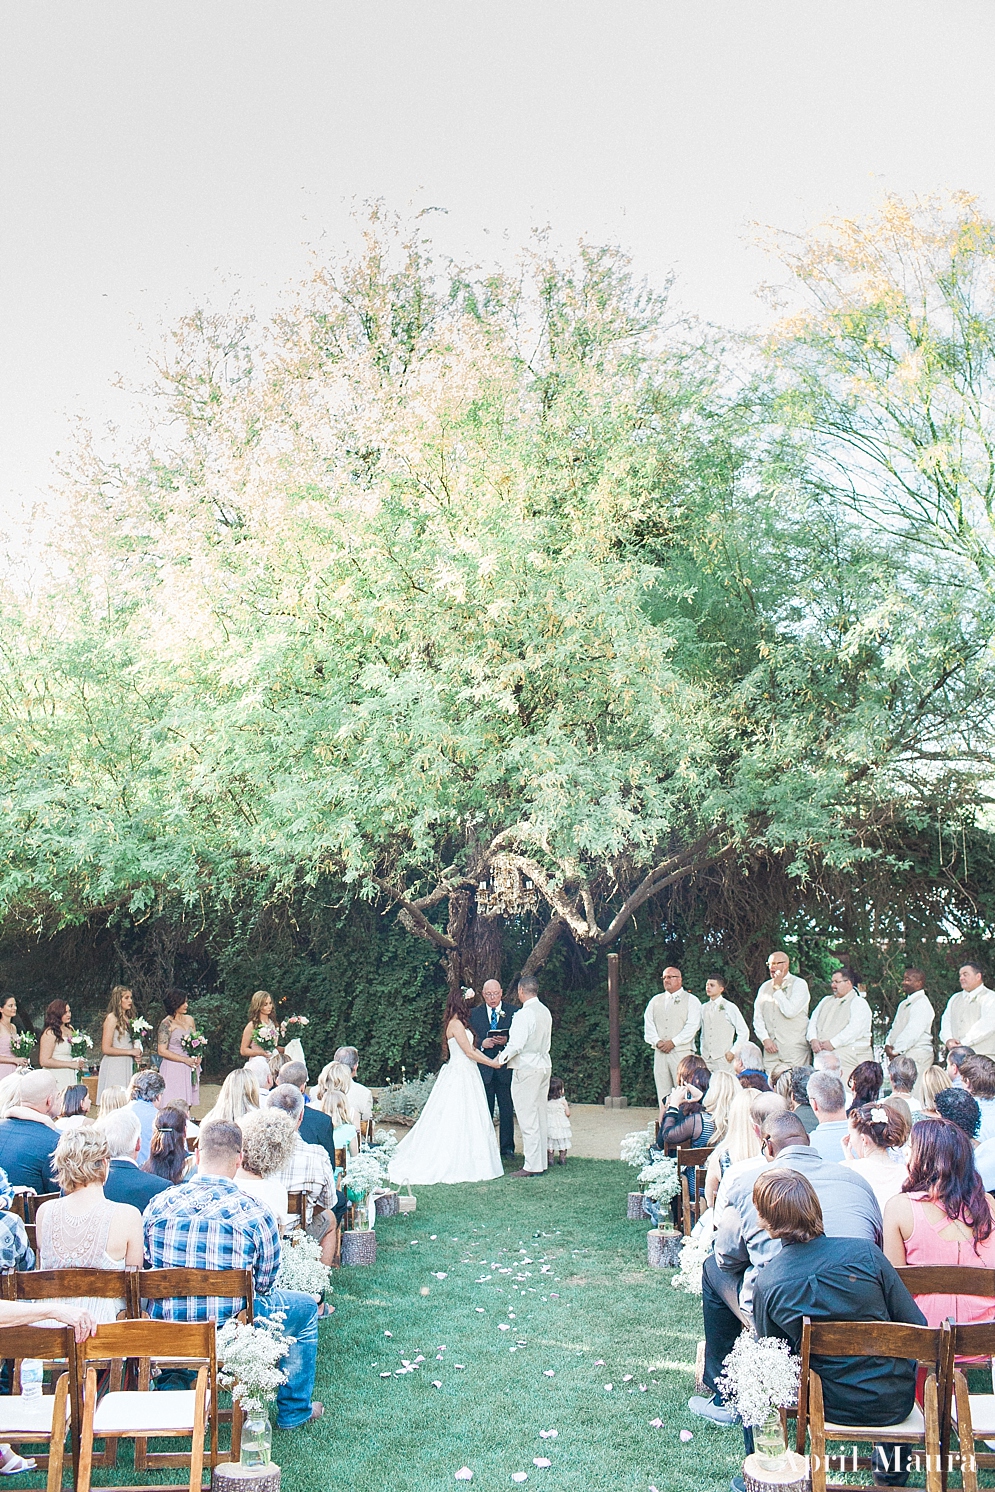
x=849 y=1210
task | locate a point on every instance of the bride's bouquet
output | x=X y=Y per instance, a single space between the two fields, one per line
x=23 y=1043
x=193 y=1044
x=80 y=1044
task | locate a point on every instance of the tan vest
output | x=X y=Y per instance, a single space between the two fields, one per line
x=922 y=1052
x=833 y=1015
x=717 y=1036
x=669 y=1017
x=790 y=1032
x=964 y=1013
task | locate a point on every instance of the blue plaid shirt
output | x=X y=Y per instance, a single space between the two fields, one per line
x=210 y=1223
x=15 y=1251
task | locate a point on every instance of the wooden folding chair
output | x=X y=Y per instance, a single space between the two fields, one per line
x=693 y=1159
x=141 y=1415
x=217 y=1285
x=30 y=1422
x=921 y=1427
x=297 y=1206
x=972 y=1415
x=32 y=1204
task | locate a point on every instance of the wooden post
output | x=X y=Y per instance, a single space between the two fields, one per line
x=614 y=1099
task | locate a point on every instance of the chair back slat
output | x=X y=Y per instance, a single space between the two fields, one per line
x=947 y=1279
x=149 y=1339
x=72 y=1284
x=693 y=1155
x=47 y=1343
x=341 y=1156
x=17 y=1205
x=925 y=1344
x=297 y=1206
x=222 y=1284
x=975 y=1339
x=32 y=1204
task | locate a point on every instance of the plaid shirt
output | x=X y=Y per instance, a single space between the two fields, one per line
x=309 y=1170
x=209 y=1223
x=15 y=1252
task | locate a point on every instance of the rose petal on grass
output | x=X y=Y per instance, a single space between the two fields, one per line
x=464 y=1474
x=541 y=1461
x=548 y=1373
x=388 y=1333
x=440 y=1274
x=642 y=1388
x=548 y=1434
x=656 y=1423
x=686 y=1435
x=608 y=1388
x=627 y=1378
x=503 y=1326
x=436 y=1383
x=479 y=1310
x=386 y=1375
x=599 y=1362
x=519 y=1476
x=459 y=1366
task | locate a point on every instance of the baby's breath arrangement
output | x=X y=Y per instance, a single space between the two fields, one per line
x=761 y=1375
x=635 y=1148
x=694 y=1251
x=364 y=1172
x=659 y=1180
x=301 y=1267
x=248 y=1358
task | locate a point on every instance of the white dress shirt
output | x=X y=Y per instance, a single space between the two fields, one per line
x=983 y=1028
x=732 y=1013
x=918 y=1025
x=791 y=1000
x=856 y=1032
x=691 y=1026
x=528 y=1037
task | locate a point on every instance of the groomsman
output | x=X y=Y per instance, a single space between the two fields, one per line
x=780 y=1016
x=969 y=1019
x=911 y=1033
x=527 y=1053
x=723 y=1029
x=670 y=1025
x=841 y=1023
x=490 y=1024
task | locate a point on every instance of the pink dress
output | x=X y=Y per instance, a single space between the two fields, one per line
x=925 y=1246
x=181 y=1081
x=6 y=1068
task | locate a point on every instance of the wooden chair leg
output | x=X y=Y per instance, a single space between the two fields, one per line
x=934 y=1457
x=816 y=1431
x=86 y=1432
x=965 y=1434
x=199 y=1428
x=57 y=1444
x=236 y=1430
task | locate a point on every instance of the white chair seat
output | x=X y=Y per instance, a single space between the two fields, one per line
x=141 y=1414
x=20 y=1416
x=913 y=1426
x=982 y=1414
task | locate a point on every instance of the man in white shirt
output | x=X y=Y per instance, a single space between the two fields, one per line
x=527 y=1054
x=842 y=1023
x=780 y=1016
x=358 y=1097
x=670 y=1024
x=969 y=1019
x=978 y=1076
x=723 y=1029
x=911 y=1033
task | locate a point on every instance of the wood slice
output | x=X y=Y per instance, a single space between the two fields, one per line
x=359 y=1247
x=634 y=1211
x=794 y=1478
x=388 y=1205
x=230 y=1477
x=663 y=1250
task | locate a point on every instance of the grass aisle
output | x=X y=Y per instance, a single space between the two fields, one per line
x=556 y=1264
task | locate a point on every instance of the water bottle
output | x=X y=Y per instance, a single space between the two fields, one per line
x=32 y=1373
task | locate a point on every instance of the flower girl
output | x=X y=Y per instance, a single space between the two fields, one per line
x=558 y=1132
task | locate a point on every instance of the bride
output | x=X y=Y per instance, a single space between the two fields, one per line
x=454 y=1138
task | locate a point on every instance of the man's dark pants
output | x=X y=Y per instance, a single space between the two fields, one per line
x=497 y=1089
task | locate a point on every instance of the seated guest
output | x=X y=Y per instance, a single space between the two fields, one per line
x=827 y=1096
x=957 y=1105
x=268 y=1140
x=828 y=1061
x=182 y=1107
x=904 y=1075
x=43 y=1312
x=798 y=1099
x=126 y=1181
x=75 y=1108
x=15 y=1251
x=316 y=1126
x=955 y=1056
x=943 y=1216
x=717 y=1103
x=309 y=1170
x=261 y=1070
x=336 y=1076
x=28 y=1136
x=683 y=1120
x=209 y=1223
x=748 y=1065
x=978 y=1076
x=145 y=1099
x=239 y=1096
x=82 y=1229
x=741 y=1141
x=359 y=1099
x=833 y=1279
x=168 y=1154
x=934 y=1081
x=345 y=1135
x=762 y=1108
x=865 y=1083
x=113 y=1097
x=876 y=1135
x=743 y=1246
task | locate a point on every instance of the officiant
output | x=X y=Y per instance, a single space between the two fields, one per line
x=490 y=1023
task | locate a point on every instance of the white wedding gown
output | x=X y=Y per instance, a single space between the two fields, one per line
x=454 y=1137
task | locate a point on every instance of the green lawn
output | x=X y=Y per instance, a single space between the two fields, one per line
x=595 y=1317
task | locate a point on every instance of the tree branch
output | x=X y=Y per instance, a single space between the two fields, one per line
x=414 y=918
x=548 y=939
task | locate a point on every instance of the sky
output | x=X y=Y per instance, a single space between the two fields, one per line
x=172 y=154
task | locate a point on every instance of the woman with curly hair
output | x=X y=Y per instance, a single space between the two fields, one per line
x=943 y=1215
x=268 y=1138
x=865 y=1084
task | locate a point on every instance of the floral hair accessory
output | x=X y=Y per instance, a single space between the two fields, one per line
x=879 y=1116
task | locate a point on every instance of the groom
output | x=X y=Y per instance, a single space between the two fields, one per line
x=490 y=1023
x=527 y=1054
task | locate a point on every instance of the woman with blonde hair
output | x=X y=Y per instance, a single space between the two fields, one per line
x=741 y=1143
x=239 y=1096
x=112 y=1098
x=934 y=1080
x=335 y=1077
x=345 y=1135
x=82 y=1229
x=119 y=1049
x=718 y=1101
x=10 y=1091
x=262 y=1010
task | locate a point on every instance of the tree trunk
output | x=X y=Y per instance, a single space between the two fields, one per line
x=477 y=956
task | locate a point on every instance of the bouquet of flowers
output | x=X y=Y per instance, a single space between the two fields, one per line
x=80 y=1044
x=193 y=1044
x=694 y=1251
x=364 y=1173
x=293 y=1026
x=23 y=1043
x=300 y=1265
x=659 y=1180
x=265 y=1039
x=635 y=1148
x=248 y=1358
x=384 y=1143
x=138 y=1026
x=761 y=1377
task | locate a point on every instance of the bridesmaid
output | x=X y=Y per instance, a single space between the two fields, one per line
x=8 y=1063
x=54 y=1050
x=180 y=1073
x=117 y=1045
x=261 y=1012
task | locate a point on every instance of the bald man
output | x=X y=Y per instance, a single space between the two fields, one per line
x=780 y=1016
x=671 y=1022
x=490 y=1023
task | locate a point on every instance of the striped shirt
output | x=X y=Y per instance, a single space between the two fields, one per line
x=210 y=1223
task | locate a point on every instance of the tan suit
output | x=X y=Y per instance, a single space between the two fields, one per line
x=846 y=1022
x=781 y=1015
x=527 y=1054
x=722 y=1029
x=666 y=1018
